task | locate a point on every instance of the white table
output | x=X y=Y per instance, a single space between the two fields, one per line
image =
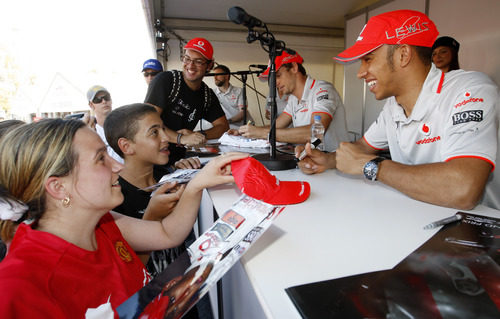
x=347 y=226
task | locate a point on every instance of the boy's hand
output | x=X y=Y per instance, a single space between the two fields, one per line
x=188 y=163
x=163 y=201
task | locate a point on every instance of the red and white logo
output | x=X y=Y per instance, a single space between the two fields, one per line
x=425 y=129
x=200 y=45
x=469 y=99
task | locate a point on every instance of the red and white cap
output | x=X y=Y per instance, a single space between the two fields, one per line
x=395 y=27
x=256 y=181
x=284 y=58
x=201 y=46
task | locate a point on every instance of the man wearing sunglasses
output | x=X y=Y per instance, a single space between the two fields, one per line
x=101 y=104
x=150 y=68
x=183 y=99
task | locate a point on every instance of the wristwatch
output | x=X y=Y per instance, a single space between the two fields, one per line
x=371 y=168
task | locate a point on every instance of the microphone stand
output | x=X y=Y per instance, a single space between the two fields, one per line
x=272 y=161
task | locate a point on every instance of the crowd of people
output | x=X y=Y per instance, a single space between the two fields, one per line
x=79 y=231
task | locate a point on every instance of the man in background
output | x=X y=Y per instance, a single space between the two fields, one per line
x=230 y=97
x=150 y=68
x=183 y=99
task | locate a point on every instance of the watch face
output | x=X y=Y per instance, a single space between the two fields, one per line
x=370 y=170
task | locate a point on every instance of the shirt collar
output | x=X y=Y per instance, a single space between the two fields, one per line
x=425 y=99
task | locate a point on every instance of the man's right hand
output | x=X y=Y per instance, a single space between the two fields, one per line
x=191 y=138
x=315 y=161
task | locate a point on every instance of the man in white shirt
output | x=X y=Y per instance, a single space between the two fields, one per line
x=101 y=104
x=230 y=97
x=440 y=128
x=307 y=97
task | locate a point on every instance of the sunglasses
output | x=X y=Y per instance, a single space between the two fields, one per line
x=146 y=74
x=98 y=100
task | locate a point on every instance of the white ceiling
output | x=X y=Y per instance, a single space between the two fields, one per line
x=313 y=13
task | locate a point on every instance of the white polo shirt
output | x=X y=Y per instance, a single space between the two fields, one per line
x=231 y=102
x=320 y=97
x=454 y=116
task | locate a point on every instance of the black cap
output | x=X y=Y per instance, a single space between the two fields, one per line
x=447 y=42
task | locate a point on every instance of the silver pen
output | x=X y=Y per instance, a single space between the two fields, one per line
x=444 y=221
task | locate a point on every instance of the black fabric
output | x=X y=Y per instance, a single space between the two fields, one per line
x=134 y=205
x=182 y=107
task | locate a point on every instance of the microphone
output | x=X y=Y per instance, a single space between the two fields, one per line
x=259 y=66
x=239 y=16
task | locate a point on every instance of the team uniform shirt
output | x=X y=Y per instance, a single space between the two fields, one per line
x=100 y=131
x=281 y=103
x=231 y=102
x=320 y=97
x=46 y=276
x=454 y=116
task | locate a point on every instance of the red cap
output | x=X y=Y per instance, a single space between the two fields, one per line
x=256 y=181
x=395 y=27
x=201 y=46
x=284 y=58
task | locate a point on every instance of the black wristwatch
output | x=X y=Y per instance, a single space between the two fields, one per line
x=371 y=168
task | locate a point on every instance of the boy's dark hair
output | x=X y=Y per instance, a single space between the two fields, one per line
x=122 y=122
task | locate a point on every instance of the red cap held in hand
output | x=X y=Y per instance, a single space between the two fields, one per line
x=256 y=181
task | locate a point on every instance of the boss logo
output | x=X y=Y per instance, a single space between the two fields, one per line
x=467 y=116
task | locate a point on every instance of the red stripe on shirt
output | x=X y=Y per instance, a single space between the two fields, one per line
x=378 y=149
x=314 y=81
x=440 y=85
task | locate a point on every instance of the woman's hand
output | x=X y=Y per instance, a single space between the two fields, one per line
x=217 y=171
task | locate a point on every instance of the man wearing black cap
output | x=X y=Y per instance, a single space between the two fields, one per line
x=445 y=54
x=183 y=99
x=440 y=130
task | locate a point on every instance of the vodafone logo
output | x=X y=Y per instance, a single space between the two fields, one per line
x=469 y=99
x=425 y=129
x=200 y=45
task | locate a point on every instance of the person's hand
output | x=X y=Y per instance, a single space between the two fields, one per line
x=351 y=160
x=188 y=163
x=233 y=131
x=191 y=138
x=163 y=201
x=315 y=161
x=89 y=120
x=252 y=131
x=217 y=171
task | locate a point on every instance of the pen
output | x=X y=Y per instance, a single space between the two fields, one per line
x=444 y=221
x=314 y=144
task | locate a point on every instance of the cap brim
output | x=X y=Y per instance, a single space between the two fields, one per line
x=355 y=52
x=290 y=192
x=199 y=51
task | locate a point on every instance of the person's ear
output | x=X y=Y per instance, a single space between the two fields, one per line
x=126 y=146
x=55 y=188
x=91 y=106
x=405 y=55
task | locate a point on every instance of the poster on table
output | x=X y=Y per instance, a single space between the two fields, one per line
x=455 y=274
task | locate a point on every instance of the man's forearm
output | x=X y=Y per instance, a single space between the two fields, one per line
x=216 y=131
x=458 y=183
